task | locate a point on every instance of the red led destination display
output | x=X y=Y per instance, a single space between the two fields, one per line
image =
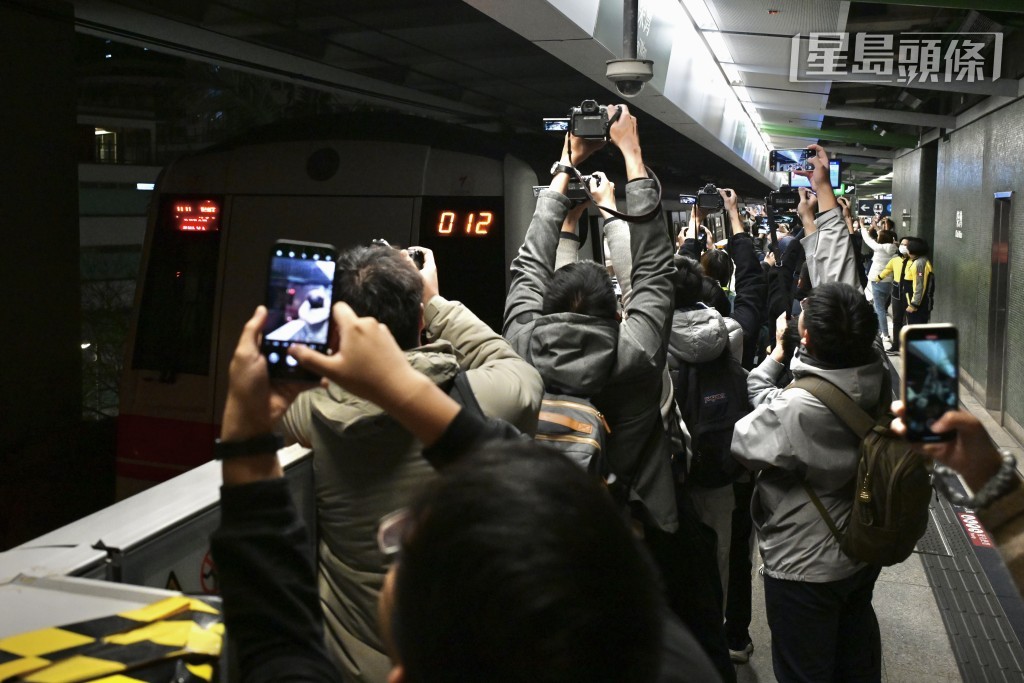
x=196 y=215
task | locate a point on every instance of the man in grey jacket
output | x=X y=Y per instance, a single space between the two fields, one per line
x=365 y=464
x=565 y=322
x=818 y=600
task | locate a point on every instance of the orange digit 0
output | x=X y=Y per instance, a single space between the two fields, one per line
x=444 y=226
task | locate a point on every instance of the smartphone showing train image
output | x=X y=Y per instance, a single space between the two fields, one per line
x=300 y=291
x=931 y=378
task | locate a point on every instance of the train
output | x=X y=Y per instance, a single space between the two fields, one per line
x=212 y=220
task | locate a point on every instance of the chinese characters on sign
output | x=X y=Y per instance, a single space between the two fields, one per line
x=644 y=16
x=896 y=58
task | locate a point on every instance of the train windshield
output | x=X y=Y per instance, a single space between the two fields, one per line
x=175 y=327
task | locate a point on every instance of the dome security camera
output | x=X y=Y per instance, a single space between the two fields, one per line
x=629 y=75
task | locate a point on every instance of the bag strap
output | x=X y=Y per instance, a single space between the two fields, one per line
x=835 y=399
x=822 y=511
x=852 y=415
x=462 y=393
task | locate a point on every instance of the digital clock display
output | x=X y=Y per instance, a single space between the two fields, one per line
x=472 y=224
x=467 y=237
x=458 y=217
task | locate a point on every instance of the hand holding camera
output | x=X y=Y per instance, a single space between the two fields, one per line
x=603 y=191
x=428 y=271
x=819 y=177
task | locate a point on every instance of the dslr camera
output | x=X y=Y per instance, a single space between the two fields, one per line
x=590 y=120
x=709 y=199
x=783 y=200
x=575 y=192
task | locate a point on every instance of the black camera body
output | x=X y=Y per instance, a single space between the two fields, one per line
x=783 y=200
x=709 y=199
x=417 y=256
x=590 y=120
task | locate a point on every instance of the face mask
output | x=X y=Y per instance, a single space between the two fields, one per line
x=904 y=250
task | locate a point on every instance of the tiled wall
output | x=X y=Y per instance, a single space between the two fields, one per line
x=984 y=157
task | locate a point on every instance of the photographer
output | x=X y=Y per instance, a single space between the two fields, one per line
x=507 y=503
x=565 y=322
x=367 y=466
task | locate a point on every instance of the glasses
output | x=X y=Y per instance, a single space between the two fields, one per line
x=391 y=530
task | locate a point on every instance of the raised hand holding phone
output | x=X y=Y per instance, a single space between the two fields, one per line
x=930 y=386
x=300 y=291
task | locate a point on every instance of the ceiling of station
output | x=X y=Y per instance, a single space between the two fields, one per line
x=445 y=60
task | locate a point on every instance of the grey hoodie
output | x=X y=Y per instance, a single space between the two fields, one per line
x=791 y=436
x=617 y=366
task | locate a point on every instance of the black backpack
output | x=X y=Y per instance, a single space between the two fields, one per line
x=573 y=425
x=893 y=484
x=712 y=397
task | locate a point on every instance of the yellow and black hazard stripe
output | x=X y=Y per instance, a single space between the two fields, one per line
x=144 y=644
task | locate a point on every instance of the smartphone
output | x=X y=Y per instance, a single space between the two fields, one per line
x=300 y=291
x=786 y=160
x=931 y=378
x=687 y=199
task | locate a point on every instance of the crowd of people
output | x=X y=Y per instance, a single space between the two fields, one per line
x=453 y=547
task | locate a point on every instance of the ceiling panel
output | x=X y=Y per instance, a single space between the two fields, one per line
x=794 y=16
x=755 y=49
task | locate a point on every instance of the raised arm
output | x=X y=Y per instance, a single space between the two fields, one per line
x=504 y=384
x=643 y=334
x=751 y=284
x=827 y=245
x=534 y=266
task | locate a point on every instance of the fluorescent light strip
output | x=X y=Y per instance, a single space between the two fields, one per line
x=717 y=43
x=700 y=14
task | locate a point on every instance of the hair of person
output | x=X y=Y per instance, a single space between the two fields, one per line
x=888 y=224
x=687 y=281
x=841 y=325
x=378 y=281
x=790 y=340
x=917 y=246
x=886 y=237
x=581 y=287
x=718 y=265
x=519 y=569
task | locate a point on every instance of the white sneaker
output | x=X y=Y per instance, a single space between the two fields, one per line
x=886 y=343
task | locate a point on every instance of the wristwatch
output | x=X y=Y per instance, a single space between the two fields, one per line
x=559 y=167
x=257 y=445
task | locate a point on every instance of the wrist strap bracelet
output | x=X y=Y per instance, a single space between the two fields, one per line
x=1001 y=483
x=257 y=445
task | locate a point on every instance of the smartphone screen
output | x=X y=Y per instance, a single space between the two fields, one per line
x=786 y=160
x=300 y=291
x=930 y=378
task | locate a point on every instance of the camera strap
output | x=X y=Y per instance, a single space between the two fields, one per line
x=643 y=218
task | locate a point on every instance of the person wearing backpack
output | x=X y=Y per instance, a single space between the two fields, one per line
x=566 y=323
x=817 y=599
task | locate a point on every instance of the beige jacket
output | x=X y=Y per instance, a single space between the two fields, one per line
x=366 y=466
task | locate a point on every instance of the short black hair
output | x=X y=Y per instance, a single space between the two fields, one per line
x=717 y=265
x=841 y=325
x=378 y=281
x=519 y=569
x=581 y=287
x=917 y=246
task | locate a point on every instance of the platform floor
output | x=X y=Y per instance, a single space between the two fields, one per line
x=915 y=615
